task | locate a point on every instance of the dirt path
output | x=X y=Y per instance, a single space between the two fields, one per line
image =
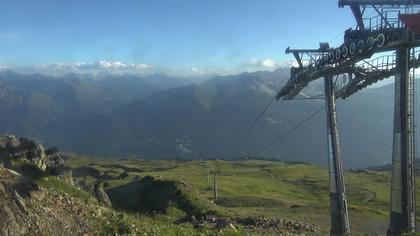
x=275 y=178
x=370 y=195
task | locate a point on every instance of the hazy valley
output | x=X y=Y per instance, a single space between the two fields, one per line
x=164 y=117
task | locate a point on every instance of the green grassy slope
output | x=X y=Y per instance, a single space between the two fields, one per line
x=253 y=188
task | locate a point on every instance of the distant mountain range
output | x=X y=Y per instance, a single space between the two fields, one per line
x=164 y=117
x=34 y=105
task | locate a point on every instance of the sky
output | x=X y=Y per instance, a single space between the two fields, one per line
x=194 y=36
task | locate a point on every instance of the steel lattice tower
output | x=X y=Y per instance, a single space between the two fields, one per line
x=393 y=29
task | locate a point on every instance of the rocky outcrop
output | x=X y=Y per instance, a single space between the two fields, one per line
x=99 y=193
x=22 y=150
x=54 y=158
x=28 y=209
x=33 y=152
x=64 y=173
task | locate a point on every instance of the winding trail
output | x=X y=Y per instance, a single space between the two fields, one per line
x=271 y=174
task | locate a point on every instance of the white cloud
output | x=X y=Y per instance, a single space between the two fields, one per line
x=267 y=63
x=108 y=66
x=253 y=61
x=4 y=67
x=197 y=71
x=140 y=66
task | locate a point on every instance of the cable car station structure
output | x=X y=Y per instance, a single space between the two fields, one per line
x=393 y=36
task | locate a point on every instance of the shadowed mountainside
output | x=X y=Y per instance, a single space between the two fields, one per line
x=124 y=116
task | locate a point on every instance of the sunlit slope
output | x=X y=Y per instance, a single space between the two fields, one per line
x=255 y=188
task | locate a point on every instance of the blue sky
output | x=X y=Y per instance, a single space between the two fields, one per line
x=175 y=35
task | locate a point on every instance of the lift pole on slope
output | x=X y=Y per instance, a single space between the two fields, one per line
x=337 y=192
x=214 y=186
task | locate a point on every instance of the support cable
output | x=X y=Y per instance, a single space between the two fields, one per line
x=319 y=96
x=290 y=130
x=242 y=138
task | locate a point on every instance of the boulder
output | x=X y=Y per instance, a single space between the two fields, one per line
x=101 y=195
x=20 y=202
x=11 y=142
x=64 y=173
x=27 y=187
x=38 y=157
x=54 y=158
x=8 y=146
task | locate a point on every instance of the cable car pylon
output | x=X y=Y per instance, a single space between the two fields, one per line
x=337 y=192
x=338 y=200
x=393 y=29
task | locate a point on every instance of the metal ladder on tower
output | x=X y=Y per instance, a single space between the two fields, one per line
x=411 y=137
